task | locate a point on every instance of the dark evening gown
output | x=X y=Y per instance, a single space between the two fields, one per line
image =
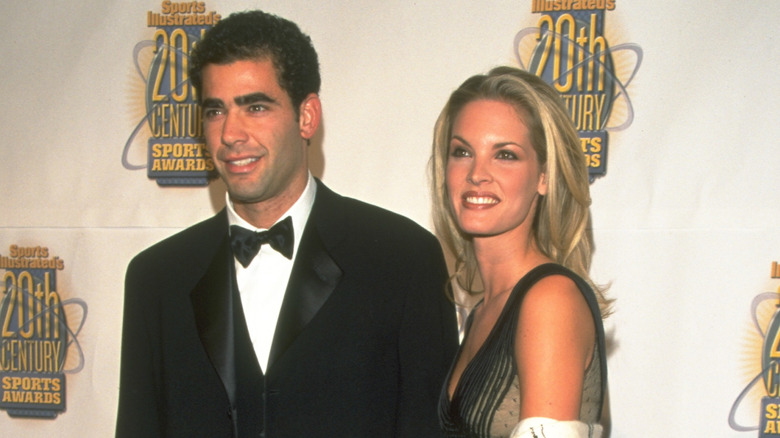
x=486 y=401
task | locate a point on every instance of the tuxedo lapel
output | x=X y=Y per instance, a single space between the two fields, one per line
x=212 y=303
x=313 y=278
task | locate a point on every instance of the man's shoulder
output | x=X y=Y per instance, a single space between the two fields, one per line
x=372 y=242
x=368 y=228
x=357 y=215
x=187 y=245
x=374 y=217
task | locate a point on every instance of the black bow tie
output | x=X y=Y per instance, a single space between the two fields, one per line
x=246 y=243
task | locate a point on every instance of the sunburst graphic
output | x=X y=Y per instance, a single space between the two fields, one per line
x=39 y=343
x=626 y=58
x=764 y=309
x=168 y=117
x=145 y=55
x=69 y=315
x=134 y=158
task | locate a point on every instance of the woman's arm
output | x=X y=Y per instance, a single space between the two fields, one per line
x=553 y=347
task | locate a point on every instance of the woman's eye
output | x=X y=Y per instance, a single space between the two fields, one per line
x=506 y=155
x=458 y=152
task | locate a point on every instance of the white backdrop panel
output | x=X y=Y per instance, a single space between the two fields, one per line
x=685 y=220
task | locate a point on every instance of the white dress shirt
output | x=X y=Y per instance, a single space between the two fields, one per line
x=263 y=283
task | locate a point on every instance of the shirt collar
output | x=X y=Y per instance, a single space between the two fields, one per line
x=299 y=212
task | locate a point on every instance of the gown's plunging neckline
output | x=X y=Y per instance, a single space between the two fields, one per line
x=490 y=335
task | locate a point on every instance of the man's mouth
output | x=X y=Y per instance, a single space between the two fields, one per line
x=243 y=162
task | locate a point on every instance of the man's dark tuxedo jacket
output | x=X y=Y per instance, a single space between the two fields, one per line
x=364 y=340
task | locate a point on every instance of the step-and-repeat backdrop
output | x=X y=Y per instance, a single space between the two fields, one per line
x=677 y=105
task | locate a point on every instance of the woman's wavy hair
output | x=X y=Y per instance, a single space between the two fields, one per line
x=562 y=221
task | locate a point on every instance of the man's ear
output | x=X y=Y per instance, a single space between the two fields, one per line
x=310 y=113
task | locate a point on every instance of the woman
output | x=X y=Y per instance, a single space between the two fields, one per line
x=511 y=201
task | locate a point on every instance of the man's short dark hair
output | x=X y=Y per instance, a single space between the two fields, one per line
x=254 y=35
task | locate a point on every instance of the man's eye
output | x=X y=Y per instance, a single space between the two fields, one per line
x=256 y=108
x=210 y=113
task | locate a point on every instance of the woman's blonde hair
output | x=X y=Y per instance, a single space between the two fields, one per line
x=562 y=221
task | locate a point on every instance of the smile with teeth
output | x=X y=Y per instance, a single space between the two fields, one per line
x=243 y=162
x=481 y=200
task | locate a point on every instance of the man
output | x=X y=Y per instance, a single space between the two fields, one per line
x=342 y=330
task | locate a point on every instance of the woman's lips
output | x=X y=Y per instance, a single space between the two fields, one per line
x=480 y=200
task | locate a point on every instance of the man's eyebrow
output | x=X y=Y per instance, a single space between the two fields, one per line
x=258 y=97
x=212 y=103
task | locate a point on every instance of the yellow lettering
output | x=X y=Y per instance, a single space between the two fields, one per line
x=595 y=145
x=566 y=27
x=771 y=411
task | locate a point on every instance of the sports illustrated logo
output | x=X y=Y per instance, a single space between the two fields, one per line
x=39 y=332
x=568 y=49
x=176 y=154
x=763 y=366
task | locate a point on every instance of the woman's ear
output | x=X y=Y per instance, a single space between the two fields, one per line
x=541 y=188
